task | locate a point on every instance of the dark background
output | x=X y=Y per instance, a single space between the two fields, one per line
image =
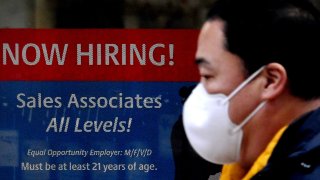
x=102 y=13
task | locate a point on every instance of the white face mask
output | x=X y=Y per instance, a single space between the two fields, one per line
x=209 y=128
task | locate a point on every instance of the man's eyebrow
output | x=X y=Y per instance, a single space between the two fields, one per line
x=199 y=61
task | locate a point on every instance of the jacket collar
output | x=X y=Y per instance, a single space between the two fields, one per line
x=300 y=138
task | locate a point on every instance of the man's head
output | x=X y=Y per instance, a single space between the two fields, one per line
x=239 y=37
x=282 y=31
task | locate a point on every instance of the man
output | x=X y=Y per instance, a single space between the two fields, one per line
x=256 y=108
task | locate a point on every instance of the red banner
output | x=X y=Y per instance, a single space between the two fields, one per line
x=98 y=55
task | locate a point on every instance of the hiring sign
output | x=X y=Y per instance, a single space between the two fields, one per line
x=92 y=103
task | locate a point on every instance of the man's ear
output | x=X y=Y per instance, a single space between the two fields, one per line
x=276 y=81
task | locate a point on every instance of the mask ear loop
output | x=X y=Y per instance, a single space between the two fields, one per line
x=236 y=129
x=244 y=83
x=234 y=92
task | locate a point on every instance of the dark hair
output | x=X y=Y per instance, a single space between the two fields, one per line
x=282 y=31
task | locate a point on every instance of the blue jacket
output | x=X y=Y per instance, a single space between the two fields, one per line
x=297 y=154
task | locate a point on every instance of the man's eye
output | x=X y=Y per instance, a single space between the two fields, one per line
x=206 y=77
